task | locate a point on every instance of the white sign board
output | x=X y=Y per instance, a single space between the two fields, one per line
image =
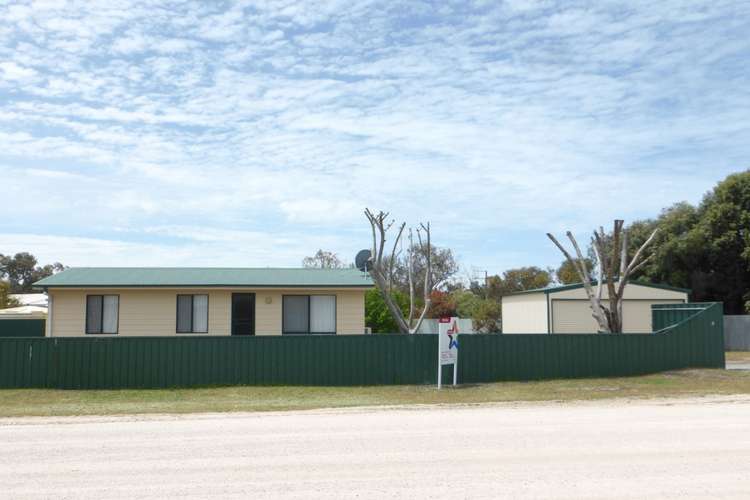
x=447 y=347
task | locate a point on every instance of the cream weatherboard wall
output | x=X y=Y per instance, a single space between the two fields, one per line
x=153 y=311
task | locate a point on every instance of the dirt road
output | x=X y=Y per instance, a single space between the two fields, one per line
x=695 y=448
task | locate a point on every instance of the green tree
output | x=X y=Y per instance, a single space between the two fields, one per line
x=21 y=271
x=517 y=280
x=485 y=313
x=466 y=303
x=566 y=273
x=6 y=300
x=488 y=316
x=482 y=302
x=706 y=249
x=377 y=315
x=675 y=248
x=724 y=228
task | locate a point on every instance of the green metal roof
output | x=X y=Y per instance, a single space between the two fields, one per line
x=562 y=288
x=204 y=277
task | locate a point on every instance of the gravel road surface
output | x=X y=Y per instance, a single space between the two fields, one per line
x=619 y=449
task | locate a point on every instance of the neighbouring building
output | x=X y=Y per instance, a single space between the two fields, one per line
x=30 y=306
x=30 y=299
x=26 y=319
x=566 y=309
x=205 y=301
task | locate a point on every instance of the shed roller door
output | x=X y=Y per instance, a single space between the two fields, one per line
x=574 y=316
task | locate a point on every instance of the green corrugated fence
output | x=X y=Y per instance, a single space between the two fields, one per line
x=22 y=327
x=144 y=362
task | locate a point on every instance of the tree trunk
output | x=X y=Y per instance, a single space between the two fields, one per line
x=614 y=270
x=381 y=269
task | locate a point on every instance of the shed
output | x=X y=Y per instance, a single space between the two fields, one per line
x=23 y=321
x=24 y=312
x=566 y=309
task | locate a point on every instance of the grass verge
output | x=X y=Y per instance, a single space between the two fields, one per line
x=37 y=402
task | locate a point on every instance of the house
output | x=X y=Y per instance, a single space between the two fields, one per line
x=204 y=301
x=566 y=309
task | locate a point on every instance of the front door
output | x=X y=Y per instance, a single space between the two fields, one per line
x=243 y=314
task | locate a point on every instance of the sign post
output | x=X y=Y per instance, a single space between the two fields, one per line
x=447 y=348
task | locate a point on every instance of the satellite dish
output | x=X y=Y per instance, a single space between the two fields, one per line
x=362 y=260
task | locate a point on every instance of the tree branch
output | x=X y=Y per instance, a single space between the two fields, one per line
x=393 y=257
x=636 y=263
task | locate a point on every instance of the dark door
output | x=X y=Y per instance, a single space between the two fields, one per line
x=243 y=314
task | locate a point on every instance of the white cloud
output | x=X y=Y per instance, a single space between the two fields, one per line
x=256 y=119
x=131 y=44
x=321 y=212
x=12 y=71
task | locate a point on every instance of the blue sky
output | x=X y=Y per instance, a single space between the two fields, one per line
x=253 y=133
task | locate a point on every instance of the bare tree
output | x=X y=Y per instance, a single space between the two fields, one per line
x=323 y=259
x=613 y=268
x=382 y=266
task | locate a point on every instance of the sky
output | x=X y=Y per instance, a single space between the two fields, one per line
x=253 y=133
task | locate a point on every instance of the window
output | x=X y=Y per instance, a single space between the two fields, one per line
x=192 y=314
x=296 y=314
x=102 y=313
x=309 y=314
x=323 y=314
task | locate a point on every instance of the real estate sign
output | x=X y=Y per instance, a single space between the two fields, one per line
x=447 y=347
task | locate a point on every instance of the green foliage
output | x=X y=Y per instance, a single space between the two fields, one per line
x=466 y=303
x=674 y=249
x=517 y=280
x=566 y=274
x=724 y=228
x=488 y=316
x=486 y=313
x=706 y=249
x=6 y=300
x=22 y=271
x=377 y=315
x=482 y=303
